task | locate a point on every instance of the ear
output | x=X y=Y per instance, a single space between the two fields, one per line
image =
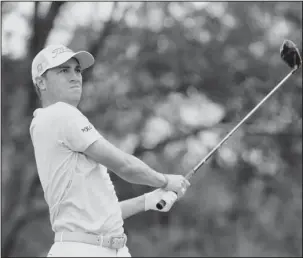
x=40 y=82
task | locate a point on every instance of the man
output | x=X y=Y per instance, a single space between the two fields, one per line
x=72 y=157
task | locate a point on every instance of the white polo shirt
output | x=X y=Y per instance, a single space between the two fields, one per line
x=78 y=191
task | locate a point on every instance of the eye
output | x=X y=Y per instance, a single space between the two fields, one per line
x=64 y=70
x=78 y=70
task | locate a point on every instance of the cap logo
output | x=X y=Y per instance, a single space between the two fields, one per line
x=59 y=51
x=39 y=68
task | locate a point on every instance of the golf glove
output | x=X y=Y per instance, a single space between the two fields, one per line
x=152 y=198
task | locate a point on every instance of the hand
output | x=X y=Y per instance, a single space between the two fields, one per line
x=152 y=198
x=177 y=184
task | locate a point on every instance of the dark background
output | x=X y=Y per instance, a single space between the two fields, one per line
x=170 y=80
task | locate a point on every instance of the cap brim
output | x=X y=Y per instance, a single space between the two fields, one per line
x=85 y=59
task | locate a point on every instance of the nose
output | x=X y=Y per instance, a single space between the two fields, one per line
x=75 y=77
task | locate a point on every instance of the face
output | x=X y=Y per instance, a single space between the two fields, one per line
x=63 y=83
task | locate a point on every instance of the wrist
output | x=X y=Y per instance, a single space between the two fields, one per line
x=147 y=201
x=165 y=181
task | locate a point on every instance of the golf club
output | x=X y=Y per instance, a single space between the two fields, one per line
x=289 y=54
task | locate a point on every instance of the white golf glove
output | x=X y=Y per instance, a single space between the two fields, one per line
x=152 y=198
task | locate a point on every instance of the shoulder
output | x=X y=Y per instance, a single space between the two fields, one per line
x=54 y=115
x=63 y=109
x=63 y=113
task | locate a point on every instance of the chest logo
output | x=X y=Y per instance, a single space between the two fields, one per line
x=87 y=128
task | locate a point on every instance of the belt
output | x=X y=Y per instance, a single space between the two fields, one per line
x=113 y=242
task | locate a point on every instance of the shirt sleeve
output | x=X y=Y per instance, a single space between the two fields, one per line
x=78 y=132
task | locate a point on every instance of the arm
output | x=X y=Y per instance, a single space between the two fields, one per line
x=132 y=206
x=123 y=164
x=79 y=135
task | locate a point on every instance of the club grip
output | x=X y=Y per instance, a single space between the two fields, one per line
x=160 y=205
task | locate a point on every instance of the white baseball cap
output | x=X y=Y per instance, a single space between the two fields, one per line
x=55 y=55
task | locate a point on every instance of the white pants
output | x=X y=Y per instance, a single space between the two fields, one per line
x=75 y=249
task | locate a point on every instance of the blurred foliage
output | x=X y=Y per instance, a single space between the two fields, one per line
x=170 y=80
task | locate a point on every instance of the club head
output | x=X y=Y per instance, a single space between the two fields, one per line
x=290 y=54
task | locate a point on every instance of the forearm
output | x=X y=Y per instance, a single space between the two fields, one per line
x=123 y=164
x=132 y=206
x=137 y=172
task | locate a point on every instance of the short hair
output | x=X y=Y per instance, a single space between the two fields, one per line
x=37 y=89
x=38 y=92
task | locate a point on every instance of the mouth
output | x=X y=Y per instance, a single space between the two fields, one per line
x=76 y=86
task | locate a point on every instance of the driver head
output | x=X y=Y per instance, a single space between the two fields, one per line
x=290 y=54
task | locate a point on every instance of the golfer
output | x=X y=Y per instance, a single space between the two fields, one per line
x=72 y=159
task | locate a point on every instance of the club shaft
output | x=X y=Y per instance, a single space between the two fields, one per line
x=188 y=176
x=194 y=170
